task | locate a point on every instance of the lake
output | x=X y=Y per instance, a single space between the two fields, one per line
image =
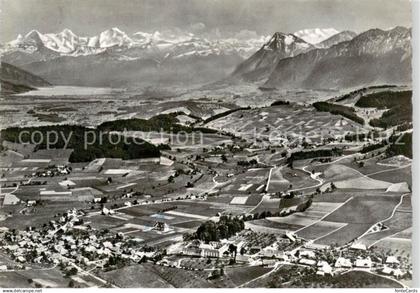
x=70 y=91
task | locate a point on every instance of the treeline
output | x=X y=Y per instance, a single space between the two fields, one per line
x=280 y=103
x=351 y=94
x=247 y=163
x=344 y=111
x=163 y=122
x=87 y=144
x=303 y=155
x=223 y=114
x=362 y=91
x=211 y=231
x=399 y=107
x=372 y=147
x=384 y=100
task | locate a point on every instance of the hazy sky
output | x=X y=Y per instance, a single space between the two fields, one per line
x=89 y=17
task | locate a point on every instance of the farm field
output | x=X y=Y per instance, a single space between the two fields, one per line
x=240 y=276
x=293 y=119
x=283 y=274
x=319 y=230
x=277 y=181
x=354 y=279
x=359 y=213
x=364 y=183
x=395 y=175
x=295 y=221
x=364 y=209
x=344 y=235
x=179 y=219
x=180 y=278
x=134 y=277
x=32 y=278
x=298 y=179
x=290 y=276
x=264 y=228
x=292 y=202
x=275 y=225
x=400 y=221
x=373 y=176
x=267 y=204
x=395 y=246
x=248 y=182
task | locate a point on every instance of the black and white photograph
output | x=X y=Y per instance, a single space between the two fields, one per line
x=206 y=144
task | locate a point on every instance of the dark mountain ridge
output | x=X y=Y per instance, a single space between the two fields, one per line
x=373 y=57
x=16 y=80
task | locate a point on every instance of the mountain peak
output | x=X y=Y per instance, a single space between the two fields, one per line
x=375 y=56
x=67 y=32
x=114 y=37
x=337 y=38
x=282 y=41
x=399 y=29
x=279 y=46
x=114 y=30
x=316 y=35
x=32 y=33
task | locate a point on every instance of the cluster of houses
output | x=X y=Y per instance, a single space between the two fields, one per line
x=198 y=248
x=59 y=170
x=67 y=240
x=276 y=253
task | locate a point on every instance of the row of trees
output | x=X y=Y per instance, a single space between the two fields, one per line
x=345 y=111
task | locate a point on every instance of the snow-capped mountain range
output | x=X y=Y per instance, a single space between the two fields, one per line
x=66 y=43
x=174 y=44
x=300 y=59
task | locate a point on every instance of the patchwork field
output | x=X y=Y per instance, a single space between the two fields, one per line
x=294 y=120
x=293 y=222
x=252 y=181
x=400 y=221
x=359 y=213
x=254 y=167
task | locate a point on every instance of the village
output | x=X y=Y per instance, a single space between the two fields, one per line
x=326 y=200
x=70 y=244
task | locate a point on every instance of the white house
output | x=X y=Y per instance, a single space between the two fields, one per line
x=309 y=262
x=307 y=254
x=392 y=260
x=324 y=268
x=392 y=272
x=291 y=236
x=108 y=244
x=342 y=262
x=363 y=263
